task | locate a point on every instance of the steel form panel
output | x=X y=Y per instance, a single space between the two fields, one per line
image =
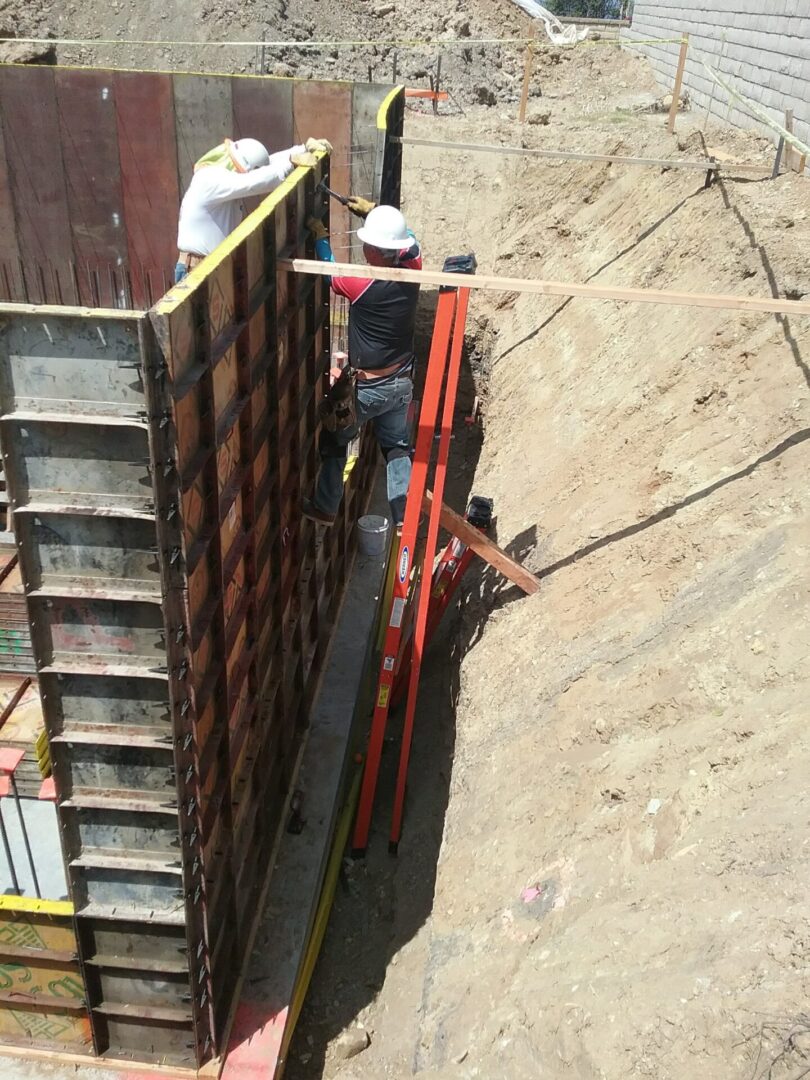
x=181 y=608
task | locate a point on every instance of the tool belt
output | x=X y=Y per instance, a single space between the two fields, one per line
x=338 y=410
x=189 y=259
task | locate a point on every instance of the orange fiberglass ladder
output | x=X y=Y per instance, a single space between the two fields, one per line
x=444 y=365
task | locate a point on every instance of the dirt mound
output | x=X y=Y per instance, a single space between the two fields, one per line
x=466 y=70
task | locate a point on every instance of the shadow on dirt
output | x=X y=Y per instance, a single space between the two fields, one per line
x=383 y=901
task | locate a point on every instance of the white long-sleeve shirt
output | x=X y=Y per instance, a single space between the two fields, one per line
x=212 y=208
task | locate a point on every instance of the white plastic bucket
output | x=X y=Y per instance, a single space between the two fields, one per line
x=372 y=534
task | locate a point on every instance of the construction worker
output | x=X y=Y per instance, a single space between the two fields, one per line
x=382 y=315
x=212 y=206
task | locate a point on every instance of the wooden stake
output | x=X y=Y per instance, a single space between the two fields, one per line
x=487 y=549
x=438 y=80
x=528 y=64
x=777 y=161
x=790 y=153
x=676 y=91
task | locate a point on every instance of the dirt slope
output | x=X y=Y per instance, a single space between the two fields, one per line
x=620 y=881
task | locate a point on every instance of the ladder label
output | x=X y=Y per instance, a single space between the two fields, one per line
x=397 y=611
x=388 y=663
x=404 y=560
x=382 y=697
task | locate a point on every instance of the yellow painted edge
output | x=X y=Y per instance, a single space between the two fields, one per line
x=385 y=105
x=180 y=292
x=162 y=71
x=27 y=905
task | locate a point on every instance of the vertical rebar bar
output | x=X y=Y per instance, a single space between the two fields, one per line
x=75 y=279
x=438 y=83
x=22 y=279
x=7 y=284
x=9 y=859
x=24 y=832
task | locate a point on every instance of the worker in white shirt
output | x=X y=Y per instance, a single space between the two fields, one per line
x=211 y=207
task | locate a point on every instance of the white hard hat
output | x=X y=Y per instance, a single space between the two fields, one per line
x=250 y=153
x=385 y=228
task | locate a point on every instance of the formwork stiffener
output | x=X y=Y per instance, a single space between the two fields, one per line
x=180 y=609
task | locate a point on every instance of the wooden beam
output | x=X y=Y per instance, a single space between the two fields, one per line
x=676 y=90
x=487 y=549
x=771 y=304
x=569 y=155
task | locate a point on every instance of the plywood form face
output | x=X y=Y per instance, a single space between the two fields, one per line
x=263 y=110
x=325 y=110
x=34 y=156
x=90 y=156
x=203 y=111
x=41 y=986
x=12 y=285
x=148 y=154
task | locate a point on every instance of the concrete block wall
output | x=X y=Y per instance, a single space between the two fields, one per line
x=761 y=46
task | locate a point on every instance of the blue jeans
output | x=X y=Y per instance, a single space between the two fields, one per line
x=386 y=406
x=180 y=271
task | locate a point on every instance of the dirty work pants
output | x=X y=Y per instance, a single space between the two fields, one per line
x=386 y=406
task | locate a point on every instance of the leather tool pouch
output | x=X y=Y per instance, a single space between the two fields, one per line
x=339 y=408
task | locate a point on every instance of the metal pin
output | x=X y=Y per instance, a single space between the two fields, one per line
x=187 y=741
x=174 y=555
x=48 y=334
x=185 y=706
x=100 y=333
x=180 y=634
x=191 y=806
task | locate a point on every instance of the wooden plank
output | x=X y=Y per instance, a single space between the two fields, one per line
x=148 y=153
x=326 y=109
x=89 y=134
x=11 y=285
x=483 y=546
x=36 y=170
x=263 y=110
x=566 y=155
x=552 y=288
x=676 y=90
x=203 y=112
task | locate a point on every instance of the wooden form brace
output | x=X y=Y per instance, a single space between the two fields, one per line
x=494 y=283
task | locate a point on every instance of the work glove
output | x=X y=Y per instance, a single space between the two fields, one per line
x=304 y=158
x=359 y=206
x=317 y=228
x=314 y=145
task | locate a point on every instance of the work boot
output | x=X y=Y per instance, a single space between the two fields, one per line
x=311 y=511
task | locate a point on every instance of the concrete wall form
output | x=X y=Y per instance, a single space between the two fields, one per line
x=764 y=49
x=181 y=610
x=93 y=164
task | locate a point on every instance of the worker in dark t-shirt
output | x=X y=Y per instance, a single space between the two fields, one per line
x=382 y=315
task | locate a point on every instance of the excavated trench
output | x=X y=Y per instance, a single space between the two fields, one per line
x=602 y=854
